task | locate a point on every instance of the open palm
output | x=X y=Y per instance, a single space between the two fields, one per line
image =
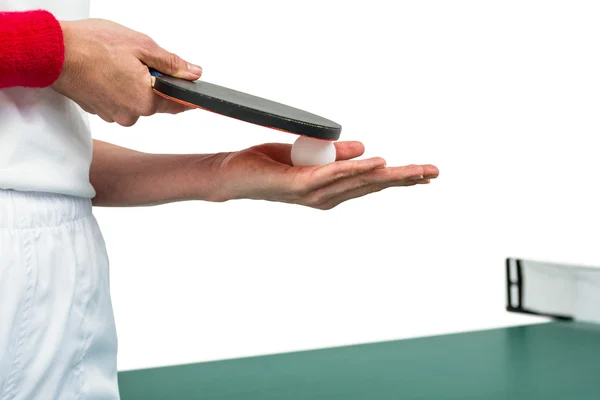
x=266 y=172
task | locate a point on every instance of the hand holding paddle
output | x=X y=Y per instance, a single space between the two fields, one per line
x=106 y=71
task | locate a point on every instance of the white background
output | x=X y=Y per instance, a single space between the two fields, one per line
x=503 y=96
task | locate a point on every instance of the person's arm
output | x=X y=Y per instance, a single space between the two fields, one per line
x=124 y=177
x=31 y=49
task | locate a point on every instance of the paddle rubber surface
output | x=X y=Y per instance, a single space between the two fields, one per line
x=246 y=107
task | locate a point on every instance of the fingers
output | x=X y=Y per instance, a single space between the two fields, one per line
x=378 y=178
x=161 y=105
x=166 y=106
x=106 y=118
x=353 y=194
x=167 y=63
x=127 y=120
x=340 y=170
x=430 y=171
x=346 y=182
x=363 y=191
x=348 y=150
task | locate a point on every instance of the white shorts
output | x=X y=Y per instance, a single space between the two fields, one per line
x=57 y=330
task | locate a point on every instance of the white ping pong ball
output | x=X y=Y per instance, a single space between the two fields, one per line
x=307 y=152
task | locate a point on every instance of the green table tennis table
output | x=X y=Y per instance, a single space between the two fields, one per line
x=555 y=360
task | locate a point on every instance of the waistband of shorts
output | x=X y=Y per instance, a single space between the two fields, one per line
x=22 y=210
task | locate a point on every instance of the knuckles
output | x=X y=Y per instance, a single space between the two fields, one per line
x=172 y=61
x=146 y=43
x=147 y=108
x=126 y=120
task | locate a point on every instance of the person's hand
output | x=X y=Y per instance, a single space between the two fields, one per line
x=106 y=71
x=265 y=172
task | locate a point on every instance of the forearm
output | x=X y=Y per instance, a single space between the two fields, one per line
x=124 y=177
x=31 y=49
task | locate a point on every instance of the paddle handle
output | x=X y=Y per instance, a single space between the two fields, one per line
x=154 y=72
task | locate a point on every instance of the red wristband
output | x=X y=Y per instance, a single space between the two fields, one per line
x=32 y=49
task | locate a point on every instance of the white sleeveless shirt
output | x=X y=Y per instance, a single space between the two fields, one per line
x=45 y=139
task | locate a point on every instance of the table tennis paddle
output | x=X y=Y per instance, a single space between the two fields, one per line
x=244 y=107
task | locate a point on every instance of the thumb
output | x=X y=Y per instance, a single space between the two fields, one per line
x=170 y=64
